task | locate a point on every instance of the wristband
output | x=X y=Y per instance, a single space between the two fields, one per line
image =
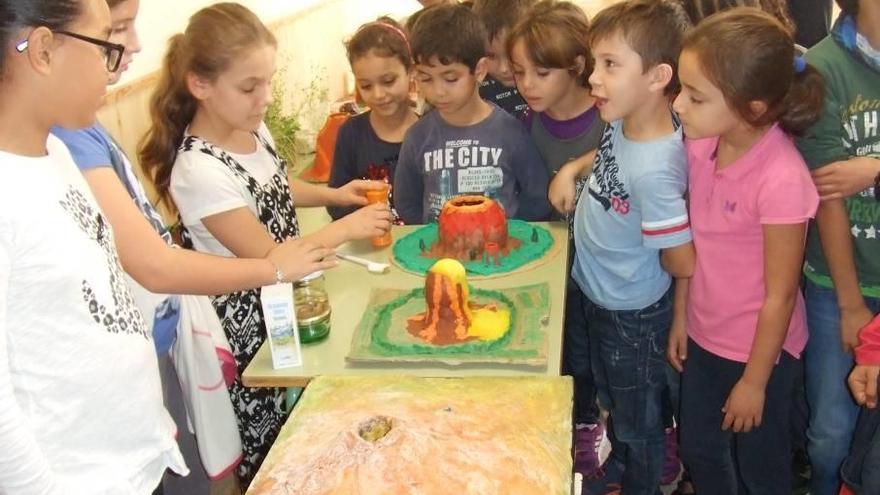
x=279 y=275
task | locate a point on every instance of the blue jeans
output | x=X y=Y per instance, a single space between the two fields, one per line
x=628 y=358
x=576 y=356
x=833 y=413
x=727 y=463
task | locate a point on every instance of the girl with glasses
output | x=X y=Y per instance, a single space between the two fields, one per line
x=80 y=400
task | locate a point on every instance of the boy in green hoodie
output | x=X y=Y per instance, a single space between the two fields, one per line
x=842 y=267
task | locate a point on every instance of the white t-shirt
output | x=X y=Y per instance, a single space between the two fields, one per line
x=80 y=400
x=202 y=186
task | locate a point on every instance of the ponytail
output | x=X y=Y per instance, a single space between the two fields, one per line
x=172 y=108
x=749 y=55
x=214 y=38
x=804 y=102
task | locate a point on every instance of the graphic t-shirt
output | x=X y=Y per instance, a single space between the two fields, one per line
x=494 y=157
x=632 y=208
x=849 y=127
x=508 y=99
x=92 y=148
x=81 y=403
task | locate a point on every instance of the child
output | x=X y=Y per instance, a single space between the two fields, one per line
x=842 y=270
x=633 y=216
x=499 y=17
x=697 y=11
x=80 y=399
x=550 y=58
x=466 y=145
x=861 y=469
x=751 y=199
x=145 y=248
x=368 y=144
x=863 y=378
x=209 y=150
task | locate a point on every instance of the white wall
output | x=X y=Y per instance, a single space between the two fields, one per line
x=159 y=19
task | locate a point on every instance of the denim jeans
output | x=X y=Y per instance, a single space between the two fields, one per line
x=628 y=358
x=576 y=356
x=727 y=463
x=833 y=413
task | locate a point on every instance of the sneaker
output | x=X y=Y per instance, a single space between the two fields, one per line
x=607 y=481
x=587 y=439
x=671 y=462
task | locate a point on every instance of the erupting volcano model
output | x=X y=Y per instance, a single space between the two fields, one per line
x=447 y=321
x=451 y=318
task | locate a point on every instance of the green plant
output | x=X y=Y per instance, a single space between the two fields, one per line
x=283 y=125
x=293 y=131
x=314 y=95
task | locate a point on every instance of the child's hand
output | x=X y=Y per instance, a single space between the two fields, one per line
x=562 y=189
x=354 y=193
x=842 y=179
x=744 y=407
x=851 y=321
x=370 y=221
x=863 y=384
x=297 y=258
x=676 y=351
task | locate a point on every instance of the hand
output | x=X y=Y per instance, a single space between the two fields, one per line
x=354 y=193
x=370 y=221
x=297 y=258
x=863 y=384
x=842 y=179
x=676 y=351
x=851 y=321
x=743 y=408
x=562 y=190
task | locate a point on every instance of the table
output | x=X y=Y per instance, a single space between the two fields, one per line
x=349 y=287
x=444 y=435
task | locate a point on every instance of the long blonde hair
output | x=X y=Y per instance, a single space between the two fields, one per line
x=214 y=37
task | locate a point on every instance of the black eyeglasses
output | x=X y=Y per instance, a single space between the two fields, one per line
x=112 y=51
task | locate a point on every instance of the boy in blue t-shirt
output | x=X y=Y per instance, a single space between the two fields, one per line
x=631 y=230
x=465 y=145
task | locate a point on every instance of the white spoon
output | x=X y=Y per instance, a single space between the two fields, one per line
x=372 y=266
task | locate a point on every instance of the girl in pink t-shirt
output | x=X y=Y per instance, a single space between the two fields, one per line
x=751 y=198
